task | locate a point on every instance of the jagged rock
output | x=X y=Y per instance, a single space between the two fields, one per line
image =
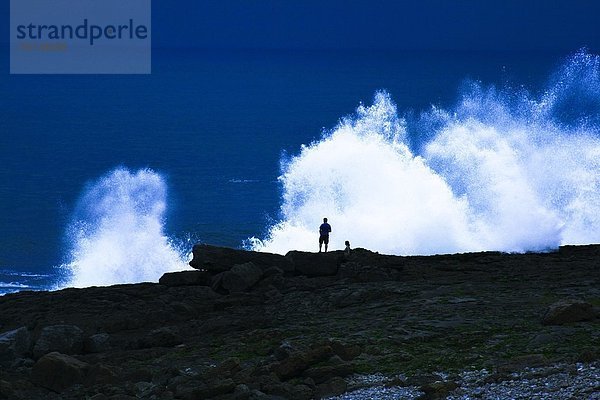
x=186 y=278
x=241 y=277
x=97 y=343
x=162 y=337
x=567 y=311
x=219 y=259
x=14 y=344
x=57 y=372
x=66 y=339
x=333 y=387
x=315 y=264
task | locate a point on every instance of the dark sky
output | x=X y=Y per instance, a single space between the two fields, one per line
x=561 y=25
x=423 y=24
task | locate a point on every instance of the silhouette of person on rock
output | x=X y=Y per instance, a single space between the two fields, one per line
x=324 y=231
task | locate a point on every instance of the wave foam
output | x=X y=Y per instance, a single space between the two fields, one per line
x=501 y=171
x=116 y=234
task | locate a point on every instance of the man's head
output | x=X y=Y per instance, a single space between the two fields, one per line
x=324 y=219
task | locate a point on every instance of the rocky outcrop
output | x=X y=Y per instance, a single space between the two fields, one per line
x=220 y=259
x=241 y=277
x=232 y=271
x=300 y=326
x=315 y=264
x=186 y=278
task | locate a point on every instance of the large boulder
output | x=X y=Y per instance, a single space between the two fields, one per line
x=186 y=278
x=67 y=339
x=219 y=259
x=57 y=372
x=567 y=311
x=14 y=344
x=241 y=277
x=315 y=264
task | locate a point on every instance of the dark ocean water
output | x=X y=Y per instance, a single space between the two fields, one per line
x=214 y=126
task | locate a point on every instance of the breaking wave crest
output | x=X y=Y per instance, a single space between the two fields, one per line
x=117 y=234
x=502 y=170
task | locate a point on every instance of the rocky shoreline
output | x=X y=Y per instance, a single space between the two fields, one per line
x=248 y=325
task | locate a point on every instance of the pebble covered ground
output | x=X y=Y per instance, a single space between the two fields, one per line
x=579 y=381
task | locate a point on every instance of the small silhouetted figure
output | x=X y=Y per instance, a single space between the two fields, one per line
x=347 y=249
x=324 y=231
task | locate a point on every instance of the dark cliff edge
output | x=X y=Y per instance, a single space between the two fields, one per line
x=246 y=325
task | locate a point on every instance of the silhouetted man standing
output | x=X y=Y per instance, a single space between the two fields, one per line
x=324 y=231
